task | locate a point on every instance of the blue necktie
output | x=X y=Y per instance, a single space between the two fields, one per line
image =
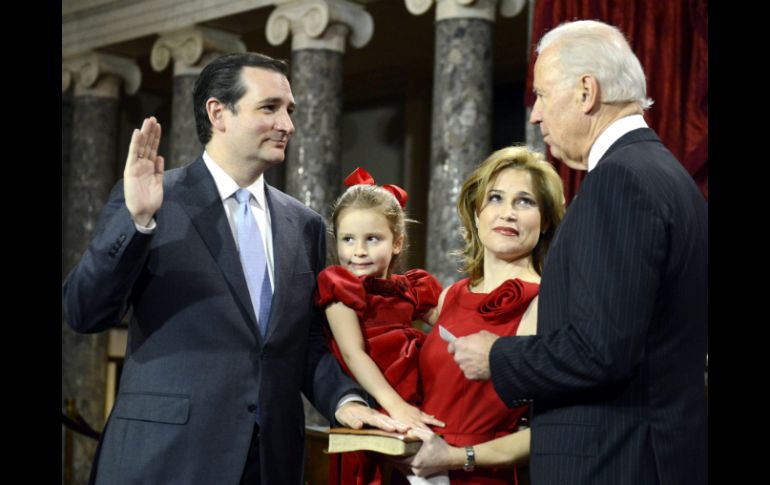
x=253 y=259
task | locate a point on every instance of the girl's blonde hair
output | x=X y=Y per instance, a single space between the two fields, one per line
x=372 y=197
x=548 y=192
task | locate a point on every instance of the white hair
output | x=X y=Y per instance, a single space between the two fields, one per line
x=601 y=50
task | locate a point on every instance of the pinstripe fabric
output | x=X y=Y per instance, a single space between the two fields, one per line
x=616 y=370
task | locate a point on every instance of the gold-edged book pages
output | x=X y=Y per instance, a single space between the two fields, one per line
x=347 y=439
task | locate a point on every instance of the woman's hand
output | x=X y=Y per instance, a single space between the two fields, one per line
x=435 y=455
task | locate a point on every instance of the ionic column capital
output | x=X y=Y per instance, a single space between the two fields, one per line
x=86 y=71
x=480 y=9
x=319 y=24
x=188 y=47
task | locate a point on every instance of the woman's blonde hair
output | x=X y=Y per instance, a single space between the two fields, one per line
x=548 y=192
x=371 y=197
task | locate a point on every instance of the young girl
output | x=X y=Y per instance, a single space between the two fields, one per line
x=370 y=309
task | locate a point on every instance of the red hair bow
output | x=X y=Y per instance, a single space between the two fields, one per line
x=362 y=177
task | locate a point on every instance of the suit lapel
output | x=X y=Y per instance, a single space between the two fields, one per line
x=201 y=201
x=285 y=240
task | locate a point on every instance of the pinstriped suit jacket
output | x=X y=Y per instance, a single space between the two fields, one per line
x=196 y=366
x=616 y=370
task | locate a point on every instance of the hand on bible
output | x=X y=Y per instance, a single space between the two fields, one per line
x=355 y=415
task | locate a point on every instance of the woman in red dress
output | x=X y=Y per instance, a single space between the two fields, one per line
x=370 y=310
x=510 y=207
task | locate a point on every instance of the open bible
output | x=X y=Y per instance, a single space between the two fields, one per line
x=347 y=439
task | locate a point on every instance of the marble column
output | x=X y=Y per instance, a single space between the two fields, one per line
x=190 y=49
x=92 y=173
x=66 y=147
x=534 y=138
x=319 y=29
x=461 y=131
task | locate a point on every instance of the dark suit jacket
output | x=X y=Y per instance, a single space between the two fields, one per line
x=616 y=370
x=196 y=365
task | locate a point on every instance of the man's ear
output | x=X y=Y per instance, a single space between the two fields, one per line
x=216 y=111
x=590 y=94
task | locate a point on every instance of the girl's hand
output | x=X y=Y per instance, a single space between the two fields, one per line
x=413 y=417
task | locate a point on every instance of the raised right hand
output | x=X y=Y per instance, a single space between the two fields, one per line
x=143 y=175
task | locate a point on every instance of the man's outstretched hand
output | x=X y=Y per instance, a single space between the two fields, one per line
x=471 y=353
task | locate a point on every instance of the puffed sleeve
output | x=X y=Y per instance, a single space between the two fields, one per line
x=336 y=284
x=425 y=289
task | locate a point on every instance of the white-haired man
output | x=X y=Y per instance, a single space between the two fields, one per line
x=616 y=370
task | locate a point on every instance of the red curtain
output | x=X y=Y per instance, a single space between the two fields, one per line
x=671 y=41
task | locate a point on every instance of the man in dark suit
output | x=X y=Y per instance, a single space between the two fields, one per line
x=616 y=370
x=210 y=389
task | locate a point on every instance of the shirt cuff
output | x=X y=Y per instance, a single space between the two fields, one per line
x=149 y=229
x=351 y=398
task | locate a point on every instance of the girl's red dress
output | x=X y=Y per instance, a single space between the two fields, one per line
x=385 y=310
